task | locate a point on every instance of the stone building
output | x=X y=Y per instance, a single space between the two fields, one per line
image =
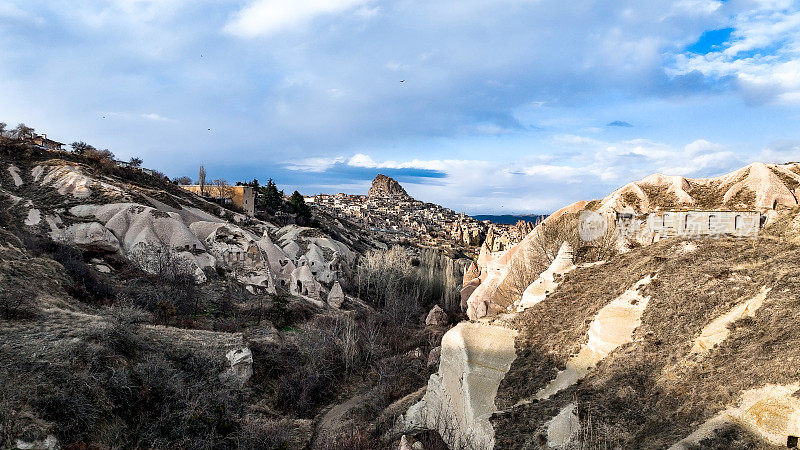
x=241 y=196
x=695 y=223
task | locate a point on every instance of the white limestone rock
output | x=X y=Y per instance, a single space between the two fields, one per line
x=475 y=357
x=241 y=366
x=69 y=180
x=14 y=172
x=563 y=428
x=91 y=236
x=34 y=217
x=546 y=283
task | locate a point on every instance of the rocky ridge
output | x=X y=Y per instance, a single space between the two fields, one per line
x=383 y=186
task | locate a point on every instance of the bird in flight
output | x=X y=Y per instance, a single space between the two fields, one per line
x=402 y=81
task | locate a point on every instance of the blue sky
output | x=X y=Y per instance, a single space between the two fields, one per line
x=506 y=106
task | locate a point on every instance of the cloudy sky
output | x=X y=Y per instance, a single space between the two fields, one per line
x=502 y=106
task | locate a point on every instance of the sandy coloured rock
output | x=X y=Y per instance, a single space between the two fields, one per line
x=436 y=317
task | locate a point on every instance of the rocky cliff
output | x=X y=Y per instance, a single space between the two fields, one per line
x=383 y=186
x=651 y=346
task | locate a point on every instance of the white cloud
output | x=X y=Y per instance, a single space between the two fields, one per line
x=314 y=164
x=153 y=117
x=780 y=152
x=762 y=55
x=267 y=17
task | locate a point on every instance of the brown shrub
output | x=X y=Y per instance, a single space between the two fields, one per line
x=659 y=196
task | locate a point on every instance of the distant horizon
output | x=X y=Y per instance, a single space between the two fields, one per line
x=509 y=219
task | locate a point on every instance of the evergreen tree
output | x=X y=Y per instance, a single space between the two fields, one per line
x=301 y=210
x=272 y=197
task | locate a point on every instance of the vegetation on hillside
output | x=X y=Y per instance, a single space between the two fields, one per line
x=652 y=393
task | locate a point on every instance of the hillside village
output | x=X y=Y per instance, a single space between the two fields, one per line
x=389 y=211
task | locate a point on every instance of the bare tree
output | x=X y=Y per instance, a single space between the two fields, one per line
x=549 y=235
x=182 y=181
x=201 y=180
x=223 y=189
x=135 y=162
x=22 y=132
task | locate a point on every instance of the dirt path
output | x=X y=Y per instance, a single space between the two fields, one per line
x=332 y=421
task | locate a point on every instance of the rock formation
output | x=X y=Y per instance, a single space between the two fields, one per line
x=436 y=317
x=546 y=283
x=91 y=236
x=241 y=366
x=336 y=296
x=383 y=186
x=460 y=396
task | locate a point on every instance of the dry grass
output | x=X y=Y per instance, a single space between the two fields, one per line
x=659 y=196
x=632 y=199
x=790 y=182
x=744 y=198
x=707 y=196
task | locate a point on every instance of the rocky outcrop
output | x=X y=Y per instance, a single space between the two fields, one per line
x=717 y=331
x=14 y=172
x=547 y=282
x=460 y=396
x=771 y=412
x=70 y=180
x=466 y=292
x=91 y=236
x=336 y=296
x=383 y=186
x=436 y=317
x=240 y=366
x=611 y=327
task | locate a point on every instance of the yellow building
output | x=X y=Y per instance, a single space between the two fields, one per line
x=241 y=196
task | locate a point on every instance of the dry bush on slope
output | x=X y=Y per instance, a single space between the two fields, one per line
x=659 y=196
x=533 y=259
x=403 y=287
x=649 y=393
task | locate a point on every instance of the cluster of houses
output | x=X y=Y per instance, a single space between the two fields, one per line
x=426 y=224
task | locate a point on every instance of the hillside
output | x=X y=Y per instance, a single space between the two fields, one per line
x=663 y=342
x=768 y=188
x=134 y=313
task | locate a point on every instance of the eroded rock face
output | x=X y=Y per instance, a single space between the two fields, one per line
x=467 y=290
x=434 y=357
x=771 y=412
x=91 y=236
x=383 y=186
x=336 y=296
x=471 y=273
x=241 y=366
x=460 y=396
x=546 y=283
x=436 y=317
